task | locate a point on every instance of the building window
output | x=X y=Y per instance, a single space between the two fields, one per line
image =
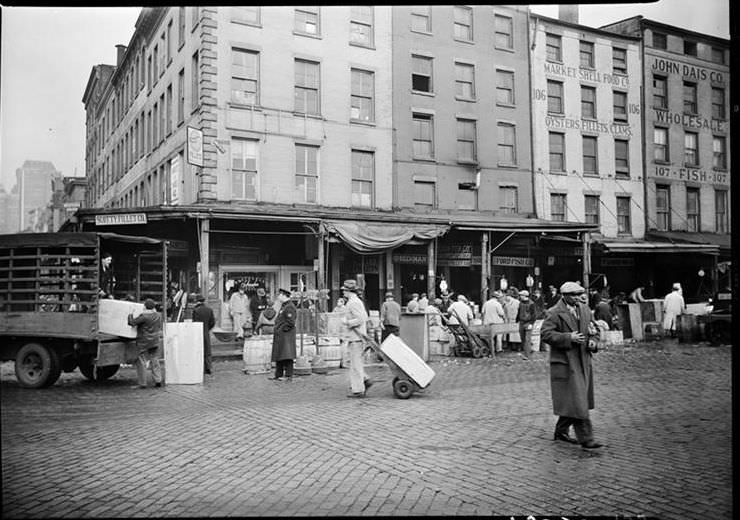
x=619 y=61
x=588 y=102
x=363 y=86
x=425 y=194
x=423 y=136
x=719 y=153
x=181 y=26
x=591 y=209
x=509 y=199
x=554 y=97
x=421 y=18
x=248 y=14
x=718 y=55
x=155 y=126
x=162 y=114
x=194 y=84
x=463 y=25
x=624 y=224
x=720 y=206
x=552 y=46
x=660 y=144
x=244 y=77
x=504 y=29
x=464 y=81
x=622 y=158
x=689 y=98
x=663 y=207
x=660 y=92
x=466 y=149
x=558 y=206
x=506 y=144
x=620 y=106
x=660 y=41
x=504 y=87
x=689 y=48
x=718 y=103
x=361 y=25
x=169 y=42
x=691 y=149
x=363 y=176
x=421 y=74
x=181 y=96
x=306 y=173
x=556 y=142
x=590 y=163
x=155 y=64
x=168 y=123
x=244 y=169
x=196 y=16
x=307 y=87
x=692 y=210
x=587 y=55
x=307 y=20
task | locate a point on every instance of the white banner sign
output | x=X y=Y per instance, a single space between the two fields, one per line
x=195 y=146
x=175 y=179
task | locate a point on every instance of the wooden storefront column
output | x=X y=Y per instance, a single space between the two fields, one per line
x=485 y=266
x=586 y=259
x=431 y=268
x=321 y=274
x=204 y=242
x=334 y=252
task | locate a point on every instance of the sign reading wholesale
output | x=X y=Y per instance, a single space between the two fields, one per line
x=120 y=219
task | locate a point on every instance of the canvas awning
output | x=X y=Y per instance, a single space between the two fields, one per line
x=645 y=246
x=373 y=237
x=718 y=239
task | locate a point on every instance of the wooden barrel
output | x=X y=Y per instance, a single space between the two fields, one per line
x=332 y=354
x=257 y=353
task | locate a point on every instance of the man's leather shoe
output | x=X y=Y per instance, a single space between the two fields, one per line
x=591 y=445
x=564 y=437
x=356 y=394
x=368 y=384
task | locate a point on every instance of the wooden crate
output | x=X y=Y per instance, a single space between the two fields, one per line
x=113 y=317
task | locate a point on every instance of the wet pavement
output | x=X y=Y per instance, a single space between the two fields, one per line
x=477 y=442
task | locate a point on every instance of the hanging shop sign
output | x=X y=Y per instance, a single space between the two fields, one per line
x=617 y=262
x=121 y=219
x=195 y=146
x=512 y=261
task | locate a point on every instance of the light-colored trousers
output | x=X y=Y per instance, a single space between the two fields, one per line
x=357 y=367
x=497 y=340
x=239 y=318
x=152 y=356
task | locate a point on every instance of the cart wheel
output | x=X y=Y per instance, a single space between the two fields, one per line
x=402 y=388
x=477 y=351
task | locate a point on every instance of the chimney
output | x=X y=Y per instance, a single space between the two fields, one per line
x=121 y=51
x=568 y=13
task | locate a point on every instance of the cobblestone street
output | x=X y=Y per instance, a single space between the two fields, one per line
x=477 y=442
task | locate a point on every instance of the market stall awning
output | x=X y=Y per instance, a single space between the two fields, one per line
x=372 y=237
x=645 y=246
x=717 y=239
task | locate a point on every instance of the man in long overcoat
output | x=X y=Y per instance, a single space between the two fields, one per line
x=204 y=314
x=283 y=339
x=566 y=330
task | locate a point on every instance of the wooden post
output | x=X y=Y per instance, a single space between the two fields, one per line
x=205 y=226
x=485 y=262
x=431 y=269
x=321 y=281
x=586 y=259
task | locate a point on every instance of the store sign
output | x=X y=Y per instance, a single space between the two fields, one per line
x=687 y=71
x=588 y=125
x=407 y=258
x=695 y=122
x=175 y=179
x=512 y=261
x=195 y=146
x=121 y=219
x=558 y=69
x=617 y=262
x=692 y=174
x=455 y=252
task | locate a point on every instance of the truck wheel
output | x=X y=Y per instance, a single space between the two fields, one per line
x=37 y=366
x=87 y=367
x=402 y=388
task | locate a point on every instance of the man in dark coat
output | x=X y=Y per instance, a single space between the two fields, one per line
x=566 y=330
x=148 y=341
x=525 y=316
x=283 y=339
x=257 y=305
x=204 y=314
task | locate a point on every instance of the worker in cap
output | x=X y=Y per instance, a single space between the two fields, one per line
x=525 y=316
x=202 y=313
x=355 y=334
x=390 y=316
x=673 y=306
x=566 y=330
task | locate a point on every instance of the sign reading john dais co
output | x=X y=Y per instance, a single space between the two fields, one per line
x=120 y=219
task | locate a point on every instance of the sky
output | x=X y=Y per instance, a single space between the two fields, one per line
x=48 y=54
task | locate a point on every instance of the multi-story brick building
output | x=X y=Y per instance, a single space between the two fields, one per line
x=34 y=184
x=687 y=151
x=262 y=139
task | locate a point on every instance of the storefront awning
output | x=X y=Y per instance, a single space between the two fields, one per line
x=371 y=237
x=716 y=239
x=644 y=246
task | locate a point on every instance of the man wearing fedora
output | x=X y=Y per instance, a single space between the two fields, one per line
x=283 y=339
x=566 y=330
x=204 y=314
x=526 y=317
x=354 y=333
x=390 y=316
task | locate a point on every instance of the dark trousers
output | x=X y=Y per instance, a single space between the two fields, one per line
x=387 y=331
x=207 y=363
x=582 y=427
x=284 y=366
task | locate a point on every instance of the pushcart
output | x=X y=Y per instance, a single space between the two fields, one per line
x=411 y=373
x=467 y=342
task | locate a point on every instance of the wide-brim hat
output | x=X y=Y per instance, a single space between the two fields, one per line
x=389 y=294
x=200 y=298
x=350 y=285
x=285 y=292
x=571 y=288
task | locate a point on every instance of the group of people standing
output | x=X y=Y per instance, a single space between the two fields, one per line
x=245 y=312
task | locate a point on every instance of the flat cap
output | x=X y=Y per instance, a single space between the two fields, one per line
x=571 y=288
x=524 y=293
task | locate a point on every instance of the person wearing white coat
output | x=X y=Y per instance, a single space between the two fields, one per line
x=673 y=305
